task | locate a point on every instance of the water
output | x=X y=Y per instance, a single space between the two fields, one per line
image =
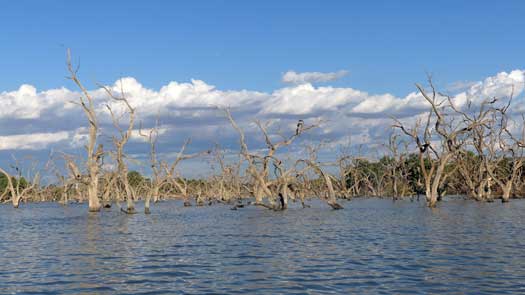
x=371 y=247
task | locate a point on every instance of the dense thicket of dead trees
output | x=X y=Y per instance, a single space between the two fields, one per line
x=475 y=149
x=471 y=143
x=280 y=184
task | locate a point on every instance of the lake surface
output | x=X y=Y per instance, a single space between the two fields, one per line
x=373 y=246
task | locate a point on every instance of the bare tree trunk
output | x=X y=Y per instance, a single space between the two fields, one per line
x=259 y=194
x=283 y=197
x=437 y=180
x=130 y=205
x=92 y=156
x=332 y=199
x=428 y=189
x=64 y=194
x=147 y=206
x=16 y=201
x=153 y=193
x=78 y=193
x=93 y=201
x=506 y=192
x=156 y=194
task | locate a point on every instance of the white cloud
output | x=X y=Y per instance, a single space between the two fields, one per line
x=307 y=99
x=27 y=103
x=176 y=96
x=188 y=110
x=80 y=137
x=32 y=141
x=137 y=134
x=500 y=86
x=293 y=77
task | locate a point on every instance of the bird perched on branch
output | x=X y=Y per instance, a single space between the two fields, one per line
x=299 y=128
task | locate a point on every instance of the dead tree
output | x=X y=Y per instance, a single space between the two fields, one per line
x=177 y=181
x=446 y=132
x=505 y=160
x=351 y=172
x=343 y=164
x=63 y=182
x=259 y=187
x=119 y=142
x=156 y=180
x=73 y=180
x=109 y=187
x=259 y=166
x=17 y=188
x=228 y=181
x=93 y=155
x=472 y=166
x=314 y=165
x=285 y=183
x=397 y=168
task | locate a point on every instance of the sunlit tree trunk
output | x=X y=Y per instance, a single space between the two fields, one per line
x=93 y=156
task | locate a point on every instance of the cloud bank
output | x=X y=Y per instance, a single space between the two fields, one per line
x=39 y=120
x=33 y=141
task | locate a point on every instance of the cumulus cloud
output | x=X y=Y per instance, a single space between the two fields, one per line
x=194 y=95
x=33 y=119
x=502 y=85
x=79 y=137
x=32 y=141
x=307 y=99
x=292 y=77
x=27 y=103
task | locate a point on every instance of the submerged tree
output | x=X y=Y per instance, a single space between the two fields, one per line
x=439 y=141
x=179 y=183
x=119 y=142
x=156 y=179
x=94 y=156
x=505 y=158
x=280 y=185
x=17 y=187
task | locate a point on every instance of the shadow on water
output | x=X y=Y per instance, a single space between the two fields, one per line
x=373 y=246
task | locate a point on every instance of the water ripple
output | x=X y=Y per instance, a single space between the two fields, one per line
x=372 y=247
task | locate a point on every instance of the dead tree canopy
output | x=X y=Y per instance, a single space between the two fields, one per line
x=277 y=187
x=445 y=135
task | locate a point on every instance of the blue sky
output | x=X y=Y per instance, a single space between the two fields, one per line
x=385 y=45
x=352 y=64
